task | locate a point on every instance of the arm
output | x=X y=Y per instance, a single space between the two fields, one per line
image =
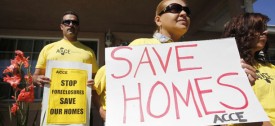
x=99 y=86
x=102 y=113
x=39 y=77
x=95 y=99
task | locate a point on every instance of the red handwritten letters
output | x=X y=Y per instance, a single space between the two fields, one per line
x=173 y=93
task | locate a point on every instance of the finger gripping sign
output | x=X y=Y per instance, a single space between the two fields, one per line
x=67 y=99
x=183 y=83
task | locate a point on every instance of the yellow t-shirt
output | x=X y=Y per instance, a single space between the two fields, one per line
x=144 y=41
x=264 y=89
x=100 y=86
x=65 y=50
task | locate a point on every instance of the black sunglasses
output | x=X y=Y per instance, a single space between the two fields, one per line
x=175 y=8
x=68 y=22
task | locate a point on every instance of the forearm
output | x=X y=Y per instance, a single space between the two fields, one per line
x=102 y=113
x=95 y=99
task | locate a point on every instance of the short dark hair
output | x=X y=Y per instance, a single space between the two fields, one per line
x=71 y=13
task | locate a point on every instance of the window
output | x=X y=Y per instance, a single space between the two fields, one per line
x=271 y=53
x=31 y=47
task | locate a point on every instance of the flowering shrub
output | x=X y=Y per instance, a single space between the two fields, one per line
x=18 y=75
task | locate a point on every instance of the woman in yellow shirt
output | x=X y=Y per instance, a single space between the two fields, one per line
x=250 y=32
x=172 y=18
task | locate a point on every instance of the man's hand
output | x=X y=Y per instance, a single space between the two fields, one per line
x=41 y=80
x=91 y=83
x=39 y=77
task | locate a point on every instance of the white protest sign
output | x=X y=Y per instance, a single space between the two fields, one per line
x=183 y=83
x=63 y=67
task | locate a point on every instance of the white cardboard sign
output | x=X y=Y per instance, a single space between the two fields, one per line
x=182 y=83
x=51 y=64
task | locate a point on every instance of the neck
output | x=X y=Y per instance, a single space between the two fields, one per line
x=72 y=39
x=174 y=37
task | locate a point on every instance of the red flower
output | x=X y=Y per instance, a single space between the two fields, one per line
x=14 y=108
x=17 y=61
x=24 y=93
x=14 y=81
x=19 y=53
x=26 y=96
x=28 y=79
x=10 y=69
x=20 y=58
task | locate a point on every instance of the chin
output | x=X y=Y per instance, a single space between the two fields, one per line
x=71 y=34
x=183 y=31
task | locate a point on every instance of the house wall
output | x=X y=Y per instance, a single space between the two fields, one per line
x=100 y=36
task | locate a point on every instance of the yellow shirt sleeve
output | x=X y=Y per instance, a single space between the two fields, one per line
x=100 y=80
x=100 y=85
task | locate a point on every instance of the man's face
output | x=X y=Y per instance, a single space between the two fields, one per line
x=70 y=26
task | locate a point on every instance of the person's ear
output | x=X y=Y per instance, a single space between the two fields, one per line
x=157 y=20
x=61 y=27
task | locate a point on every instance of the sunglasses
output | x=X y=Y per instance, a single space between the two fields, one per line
x=175 y=8
x=68 y=22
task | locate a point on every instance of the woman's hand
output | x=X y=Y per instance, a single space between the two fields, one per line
x=267 y=124
x=250 y=72
x=102 y=113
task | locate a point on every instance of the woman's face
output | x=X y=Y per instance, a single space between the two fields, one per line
x=173 y=23
x=261 y=42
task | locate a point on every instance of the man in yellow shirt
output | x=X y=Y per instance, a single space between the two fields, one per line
x=66 y=49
